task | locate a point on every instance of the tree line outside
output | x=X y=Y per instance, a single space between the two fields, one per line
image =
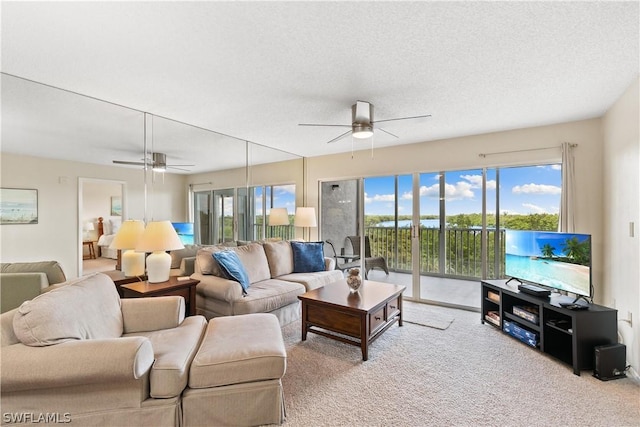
x=463 y=242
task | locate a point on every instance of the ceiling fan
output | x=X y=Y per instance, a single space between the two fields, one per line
x=158 y=163
x=362 y=122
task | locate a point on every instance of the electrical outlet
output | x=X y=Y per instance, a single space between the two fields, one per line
x=632 y=229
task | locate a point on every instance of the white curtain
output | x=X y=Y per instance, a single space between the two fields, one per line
x=566 y=221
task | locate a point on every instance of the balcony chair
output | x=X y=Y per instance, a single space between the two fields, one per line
x=340 y=261
x=370 y=262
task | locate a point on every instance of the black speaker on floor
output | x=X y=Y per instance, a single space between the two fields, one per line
x=610 y=361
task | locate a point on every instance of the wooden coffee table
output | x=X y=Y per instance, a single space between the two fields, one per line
x=184 y=288
x=335 y=312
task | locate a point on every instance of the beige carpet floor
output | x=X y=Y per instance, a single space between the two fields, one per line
x=468 y=374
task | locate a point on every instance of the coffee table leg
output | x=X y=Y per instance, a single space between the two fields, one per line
x=304 y=323
x=364 y=337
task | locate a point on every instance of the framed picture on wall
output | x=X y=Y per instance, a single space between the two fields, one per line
x=18 y=206
x=116 y=206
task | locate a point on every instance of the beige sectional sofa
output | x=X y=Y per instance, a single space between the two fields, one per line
x=274 y=286
x=82 y=355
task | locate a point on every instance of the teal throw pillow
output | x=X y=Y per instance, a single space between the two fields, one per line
x=307 y=257
x=231 y=265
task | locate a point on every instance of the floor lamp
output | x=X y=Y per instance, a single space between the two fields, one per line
x=305 y=217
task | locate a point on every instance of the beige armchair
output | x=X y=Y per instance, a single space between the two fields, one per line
x=22 y=281
x=81 y=353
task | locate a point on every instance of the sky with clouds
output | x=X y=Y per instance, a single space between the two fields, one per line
x=523 y=190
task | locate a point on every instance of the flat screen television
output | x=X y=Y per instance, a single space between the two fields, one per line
x=555 y=260
x=185 y=232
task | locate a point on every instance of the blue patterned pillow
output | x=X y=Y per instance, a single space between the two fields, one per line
x=307 y=257
x=231 y=265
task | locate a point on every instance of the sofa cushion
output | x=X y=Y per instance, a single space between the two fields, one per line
x=205 y=262
x=307 y=256
x=177 y=255
x=280 y=257
x=86 y=308
x=268 y=295
x=314 y=280
x=254 y=260
x=233 y=267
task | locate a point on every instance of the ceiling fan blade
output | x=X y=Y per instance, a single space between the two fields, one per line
x=402 y=118
x=339 y=137
x=311 y=124
x=170 y=166
x=122 y=162
x=180 y=169
x=387 y=132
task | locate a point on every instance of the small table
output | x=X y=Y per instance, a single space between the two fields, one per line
x=363 y=315
x=184 y=288
x=92 y=251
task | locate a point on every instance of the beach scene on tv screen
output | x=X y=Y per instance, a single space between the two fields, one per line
x=556 y=260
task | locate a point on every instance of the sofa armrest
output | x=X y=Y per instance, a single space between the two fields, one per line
x=152 y=313
x=16 y=288
x=218 y=287
x=329 y=264
x=75 y=363
x=187 y=266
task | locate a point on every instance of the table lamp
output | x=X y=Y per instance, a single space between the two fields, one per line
x=88 y=228
x=126 y=239
x=305 y=217
x=159 y=237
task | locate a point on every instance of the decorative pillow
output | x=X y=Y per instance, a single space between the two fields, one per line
x=115 y=225
x=307 y=257
x=231 y=264
x=280 y=257
x=80 y=309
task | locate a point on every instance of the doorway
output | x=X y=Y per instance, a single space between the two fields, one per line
x=98 y=198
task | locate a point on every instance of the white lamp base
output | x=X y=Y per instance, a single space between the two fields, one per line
x=158 y=266
x=132 y=263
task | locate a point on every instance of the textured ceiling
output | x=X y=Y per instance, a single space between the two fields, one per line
x=255 y=70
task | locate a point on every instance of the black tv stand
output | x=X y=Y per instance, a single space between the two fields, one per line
x=543 y=324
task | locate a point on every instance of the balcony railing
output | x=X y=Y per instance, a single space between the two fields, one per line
x=462 y=250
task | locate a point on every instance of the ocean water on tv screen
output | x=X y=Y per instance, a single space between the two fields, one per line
x=555 y=260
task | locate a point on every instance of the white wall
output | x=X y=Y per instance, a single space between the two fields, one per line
x=57 y=234
x=621 y=207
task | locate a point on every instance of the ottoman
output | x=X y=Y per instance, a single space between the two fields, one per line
x=235 y=377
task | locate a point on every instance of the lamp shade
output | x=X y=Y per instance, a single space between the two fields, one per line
x=88 y=226
x=305 y=217
x=159 y=237
x=127 y=237
x=278 y=216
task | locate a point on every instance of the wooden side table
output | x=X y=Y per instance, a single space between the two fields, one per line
x=184 y=288
x=92 y=251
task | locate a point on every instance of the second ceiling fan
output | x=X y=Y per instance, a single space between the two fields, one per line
x=362 y=122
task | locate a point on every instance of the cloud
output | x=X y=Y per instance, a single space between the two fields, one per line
x=557 y=167
x=379 y=198
x=536 y=189
x=476 y=181
x=534 y=208
x=286 y=189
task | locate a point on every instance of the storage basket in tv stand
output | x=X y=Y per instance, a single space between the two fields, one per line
x=568 y=335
